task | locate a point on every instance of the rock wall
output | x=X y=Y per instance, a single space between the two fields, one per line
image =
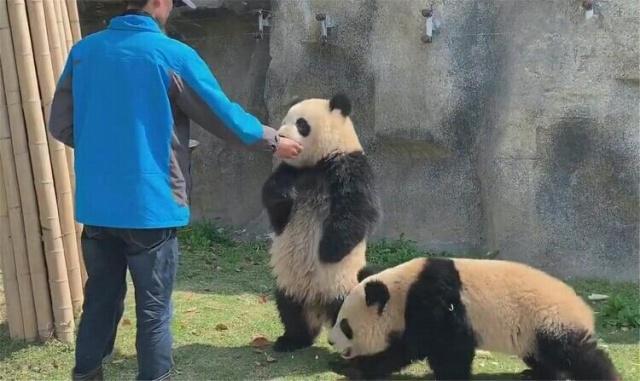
x=516 y=129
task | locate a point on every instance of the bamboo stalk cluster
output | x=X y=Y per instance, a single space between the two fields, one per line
x=41 y=262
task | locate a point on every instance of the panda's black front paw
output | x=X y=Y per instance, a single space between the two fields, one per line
x=537 y=374
x=289 y=344
x=346 y=369
x=353 y=373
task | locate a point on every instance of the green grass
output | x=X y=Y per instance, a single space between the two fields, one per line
x=227 y=284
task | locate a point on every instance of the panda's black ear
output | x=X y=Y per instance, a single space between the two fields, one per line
x=341 y=102
x=367 y=271
x=376 y=293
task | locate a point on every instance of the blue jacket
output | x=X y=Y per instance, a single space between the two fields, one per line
x=124 y=101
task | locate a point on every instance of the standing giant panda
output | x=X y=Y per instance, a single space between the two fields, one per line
x=443 y=309
x=322 y=207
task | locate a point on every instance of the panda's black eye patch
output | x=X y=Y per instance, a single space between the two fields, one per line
x=303 y=127
x=346 y=329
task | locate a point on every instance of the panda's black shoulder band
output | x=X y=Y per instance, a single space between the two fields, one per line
x=341 y=102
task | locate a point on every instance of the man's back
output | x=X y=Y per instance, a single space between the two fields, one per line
x=132 y=91
x=123 y=124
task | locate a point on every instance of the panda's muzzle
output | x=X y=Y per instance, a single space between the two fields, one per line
x=346 y=354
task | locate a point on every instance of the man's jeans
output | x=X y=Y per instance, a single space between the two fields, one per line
x=151 y=255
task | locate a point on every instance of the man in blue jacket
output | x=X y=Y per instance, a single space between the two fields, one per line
x=124 y=101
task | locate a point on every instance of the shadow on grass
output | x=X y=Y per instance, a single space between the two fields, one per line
x=208 y=362
x=342 y=368
x=480 y=376
x=228 y=270
x=8 y=346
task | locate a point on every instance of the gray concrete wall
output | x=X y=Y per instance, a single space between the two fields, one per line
x=516 y=129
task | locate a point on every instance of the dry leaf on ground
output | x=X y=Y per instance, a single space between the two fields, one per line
x=260 y=341
x=221 y=327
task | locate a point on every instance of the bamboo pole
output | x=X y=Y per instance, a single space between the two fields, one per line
x=34 y=260
x=44 y=66
x=49 y=218
x=70 y=156
x=74 y=20
x=9 y=275
x=15 y=220
x=63 y=39
x=62 y=15
x=67 y=25
x=57 y=4
x=59 y=54
x=72 y=7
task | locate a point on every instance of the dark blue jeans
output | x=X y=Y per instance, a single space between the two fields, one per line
x=151 y=255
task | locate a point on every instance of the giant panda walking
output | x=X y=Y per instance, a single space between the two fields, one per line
x=444 y=309
x=322 y=207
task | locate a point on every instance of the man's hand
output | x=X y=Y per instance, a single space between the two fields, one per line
x=288 y=148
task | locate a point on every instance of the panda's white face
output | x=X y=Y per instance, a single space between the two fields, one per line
x=374 y=310
x=341 y=338
x=320 y=130
x=364 y=322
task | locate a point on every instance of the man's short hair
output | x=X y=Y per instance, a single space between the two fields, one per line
x=143 y=3
x=136 y=3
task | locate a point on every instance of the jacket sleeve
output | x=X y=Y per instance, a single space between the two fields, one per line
x=198 y=94
x=61 y=115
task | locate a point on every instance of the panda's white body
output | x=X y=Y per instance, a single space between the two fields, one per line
x=445 y=309
x=298 y=269
x=322 y=207
x=506 y=302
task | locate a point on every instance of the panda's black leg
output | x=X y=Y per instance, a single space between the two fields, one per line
x=537 y=370
x=297 y=332
x=452 y=363
x=332 y=310
x=574 y=353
